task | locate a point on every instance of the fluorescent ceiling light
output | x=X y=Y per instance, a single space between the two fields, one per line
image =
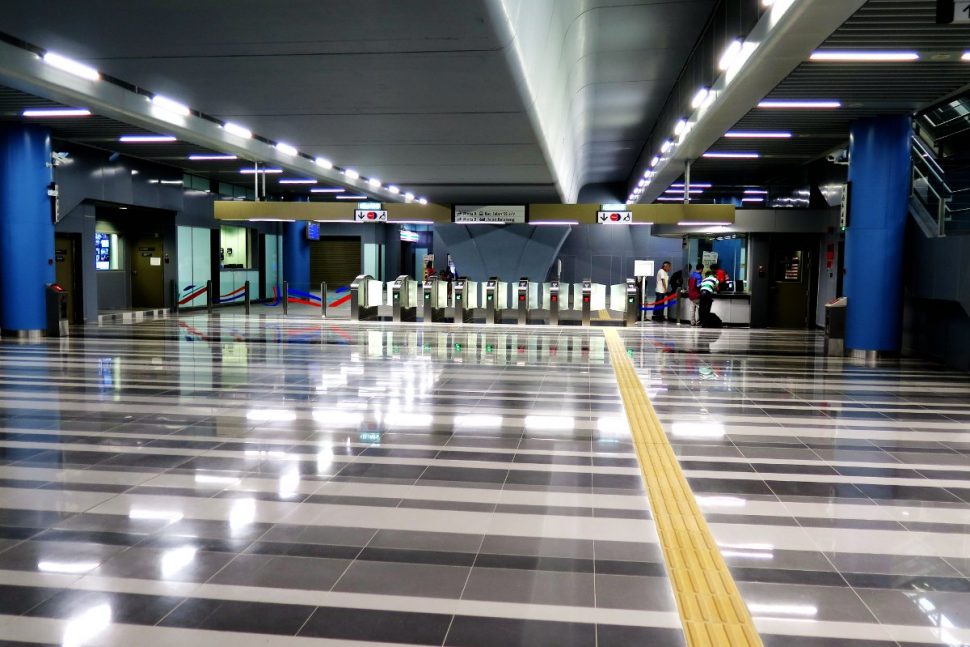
x=691 y=223
x=414 y=222
x=965 y=57
x=752 y=199
x=655 y=160
x=237 y=130
x=56 y=112
x=737 y=134
x=69 y=65
x=323 y=162
x=351 y=197
x=202 y=157
x=730 y=54
x=756 y=192
x=555 y=222
x=250 y=171
x=641 y=183
x=666 y=146
x=145 y=139
x=286 y=149
x=664 y=198
x=681 y=191
x=422 y=201
x=393 y=189
x=296 y=181
x=326 y=190
x=865 y=57
x=170 y=182
x=800 y=103
x=699 y=98
x=351 y=173
x=171 y=105
x=693 y=185
x=680 y=126
x=374 y=182
x=733 y=156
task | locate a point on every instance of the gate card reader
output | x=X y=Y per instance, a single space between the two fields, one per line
x=632 y=303
x=587 y=295
x=491 y=298
x=554 y=303
x=522 y=301
x=460 y=300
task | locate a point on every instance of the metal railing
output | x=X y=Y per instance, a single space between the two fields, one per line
x=929 y=189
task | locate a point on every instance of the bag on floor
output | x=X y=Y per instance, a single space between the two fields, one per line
x=712 y=321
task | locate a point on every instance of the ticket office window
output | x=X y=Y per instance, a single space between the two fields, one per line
x=107 y=251
x=236 y=245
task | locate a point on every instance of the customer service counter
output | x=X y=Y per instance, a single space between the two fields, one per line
x=734 y=308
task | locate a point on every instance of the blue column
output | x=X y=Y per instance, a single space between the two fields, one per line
x=296 y=255
x=26 y=228
x=879 y=170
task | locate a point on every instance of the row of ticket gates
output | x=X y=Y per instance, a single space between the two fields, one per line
x=492 y=301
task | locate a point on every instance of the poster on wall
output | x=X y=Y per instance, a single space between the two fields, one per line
x=370 y=215
x=643 y=268
x=614 y=217
x=708 y=258
x=484 y=213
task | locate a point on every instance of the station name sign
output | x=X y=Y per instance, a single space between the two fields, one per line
x=614 y=217
x=484 y=213
x=370 y=215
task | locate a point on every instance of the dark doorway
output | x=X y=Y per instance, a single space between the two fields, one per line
x=147 y=280
x=68 y=272
x=793 y=281
x=335 y=260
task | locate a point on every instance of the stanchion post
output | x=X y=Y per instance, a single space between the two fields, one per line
x=175 y=297
x=323 y=299
x=208 y=296
x=247 y=302
x=286 y=296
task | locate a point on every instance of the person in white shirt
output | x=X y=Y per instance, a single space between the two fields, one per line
x=661 y=290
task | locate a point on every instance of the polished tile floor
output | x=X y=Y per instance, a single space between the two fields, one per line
x=269 y=482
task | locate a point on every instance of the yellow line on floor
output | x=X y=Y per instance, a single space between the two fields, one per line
x=604 y=315
x=710 y=605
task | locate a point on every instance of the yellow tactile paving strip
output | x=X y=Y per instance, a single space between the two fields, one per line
x=710 y=605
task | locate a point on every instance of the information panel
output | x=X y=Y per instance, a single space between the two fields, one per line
x=370 y=215
x=484 y=213
x=614 y=217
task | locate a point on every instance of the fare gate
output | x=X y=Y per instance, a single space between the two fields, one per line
x=434 y=300
x=365 y=298
x=404 y=299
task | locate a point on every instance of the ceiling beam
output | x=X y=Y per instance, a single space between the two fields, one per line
x=783 y=43
x=26 y=71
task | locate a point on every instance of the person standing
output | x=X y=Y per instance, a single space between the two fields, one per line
x=694 y=293
x=660 y=292
x=708 y=289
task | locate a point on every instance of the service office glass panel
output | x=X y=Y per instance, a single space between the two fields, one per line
x=236 y=248
x=107 y=251
x=729 y=252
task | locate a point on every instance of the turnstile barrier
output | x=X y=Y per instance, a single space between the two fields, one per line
x=365 y=297
x=434 y=299
x=404 y=298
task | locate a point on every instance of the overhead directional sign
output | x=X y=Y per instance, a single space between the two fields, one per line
x=370 y=215
x=614 y=217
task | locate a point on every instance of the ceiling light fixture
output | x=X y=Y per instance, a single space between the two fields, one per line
x=799 y=103
x=250 y=171
x=296 y=181
x=237 y=130
x=171 y=105
x=680 y=126
x=737 y=134
x=752 y=199
x=286 y=149
x=755 y=192
x=56 y=112
x=69 y=65
x=655 y=161
x=206 y=157
x=864 y=57
x=326 y=190
x=422 y=200
x=732 y=156
x=409 y=196
x=667 y=145
x=561 y=223
x=351 y=197
x=393 y=189
x=730 y=54
x=374 y=182
x=699 y=98
x=965 y=57
x=693 y=185
x=693 y=223
x=323 y=162
x=351 y=173
x=681 y=191
x=146 y=139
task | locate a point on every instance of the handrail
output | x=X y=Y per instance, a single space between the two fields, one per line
x=926 y=181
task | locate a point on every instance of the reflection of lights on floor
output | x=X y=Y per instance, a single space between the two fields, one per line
x=81 y=628
x=289 y=482
x=772 y=608
x=338 y=418
x=270 y=415
x=613 y=426
x=52 y=566
x=176 y=559
x=155 y=515
x=748 y=554
x=550 y=423
x=243 y=513
x=478 y=421
x=939 y=620
x=697 y=429
x=211 y=479
x=393 y=419
x=719 y=501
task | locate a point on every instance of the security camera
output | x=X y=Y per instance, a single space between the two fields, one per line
x=58 y=159
x=840 y=157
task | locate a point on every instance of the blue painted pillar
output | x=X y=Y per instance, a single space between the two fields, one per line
x=879 y=170
x=26 y=228
x=296 y=255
